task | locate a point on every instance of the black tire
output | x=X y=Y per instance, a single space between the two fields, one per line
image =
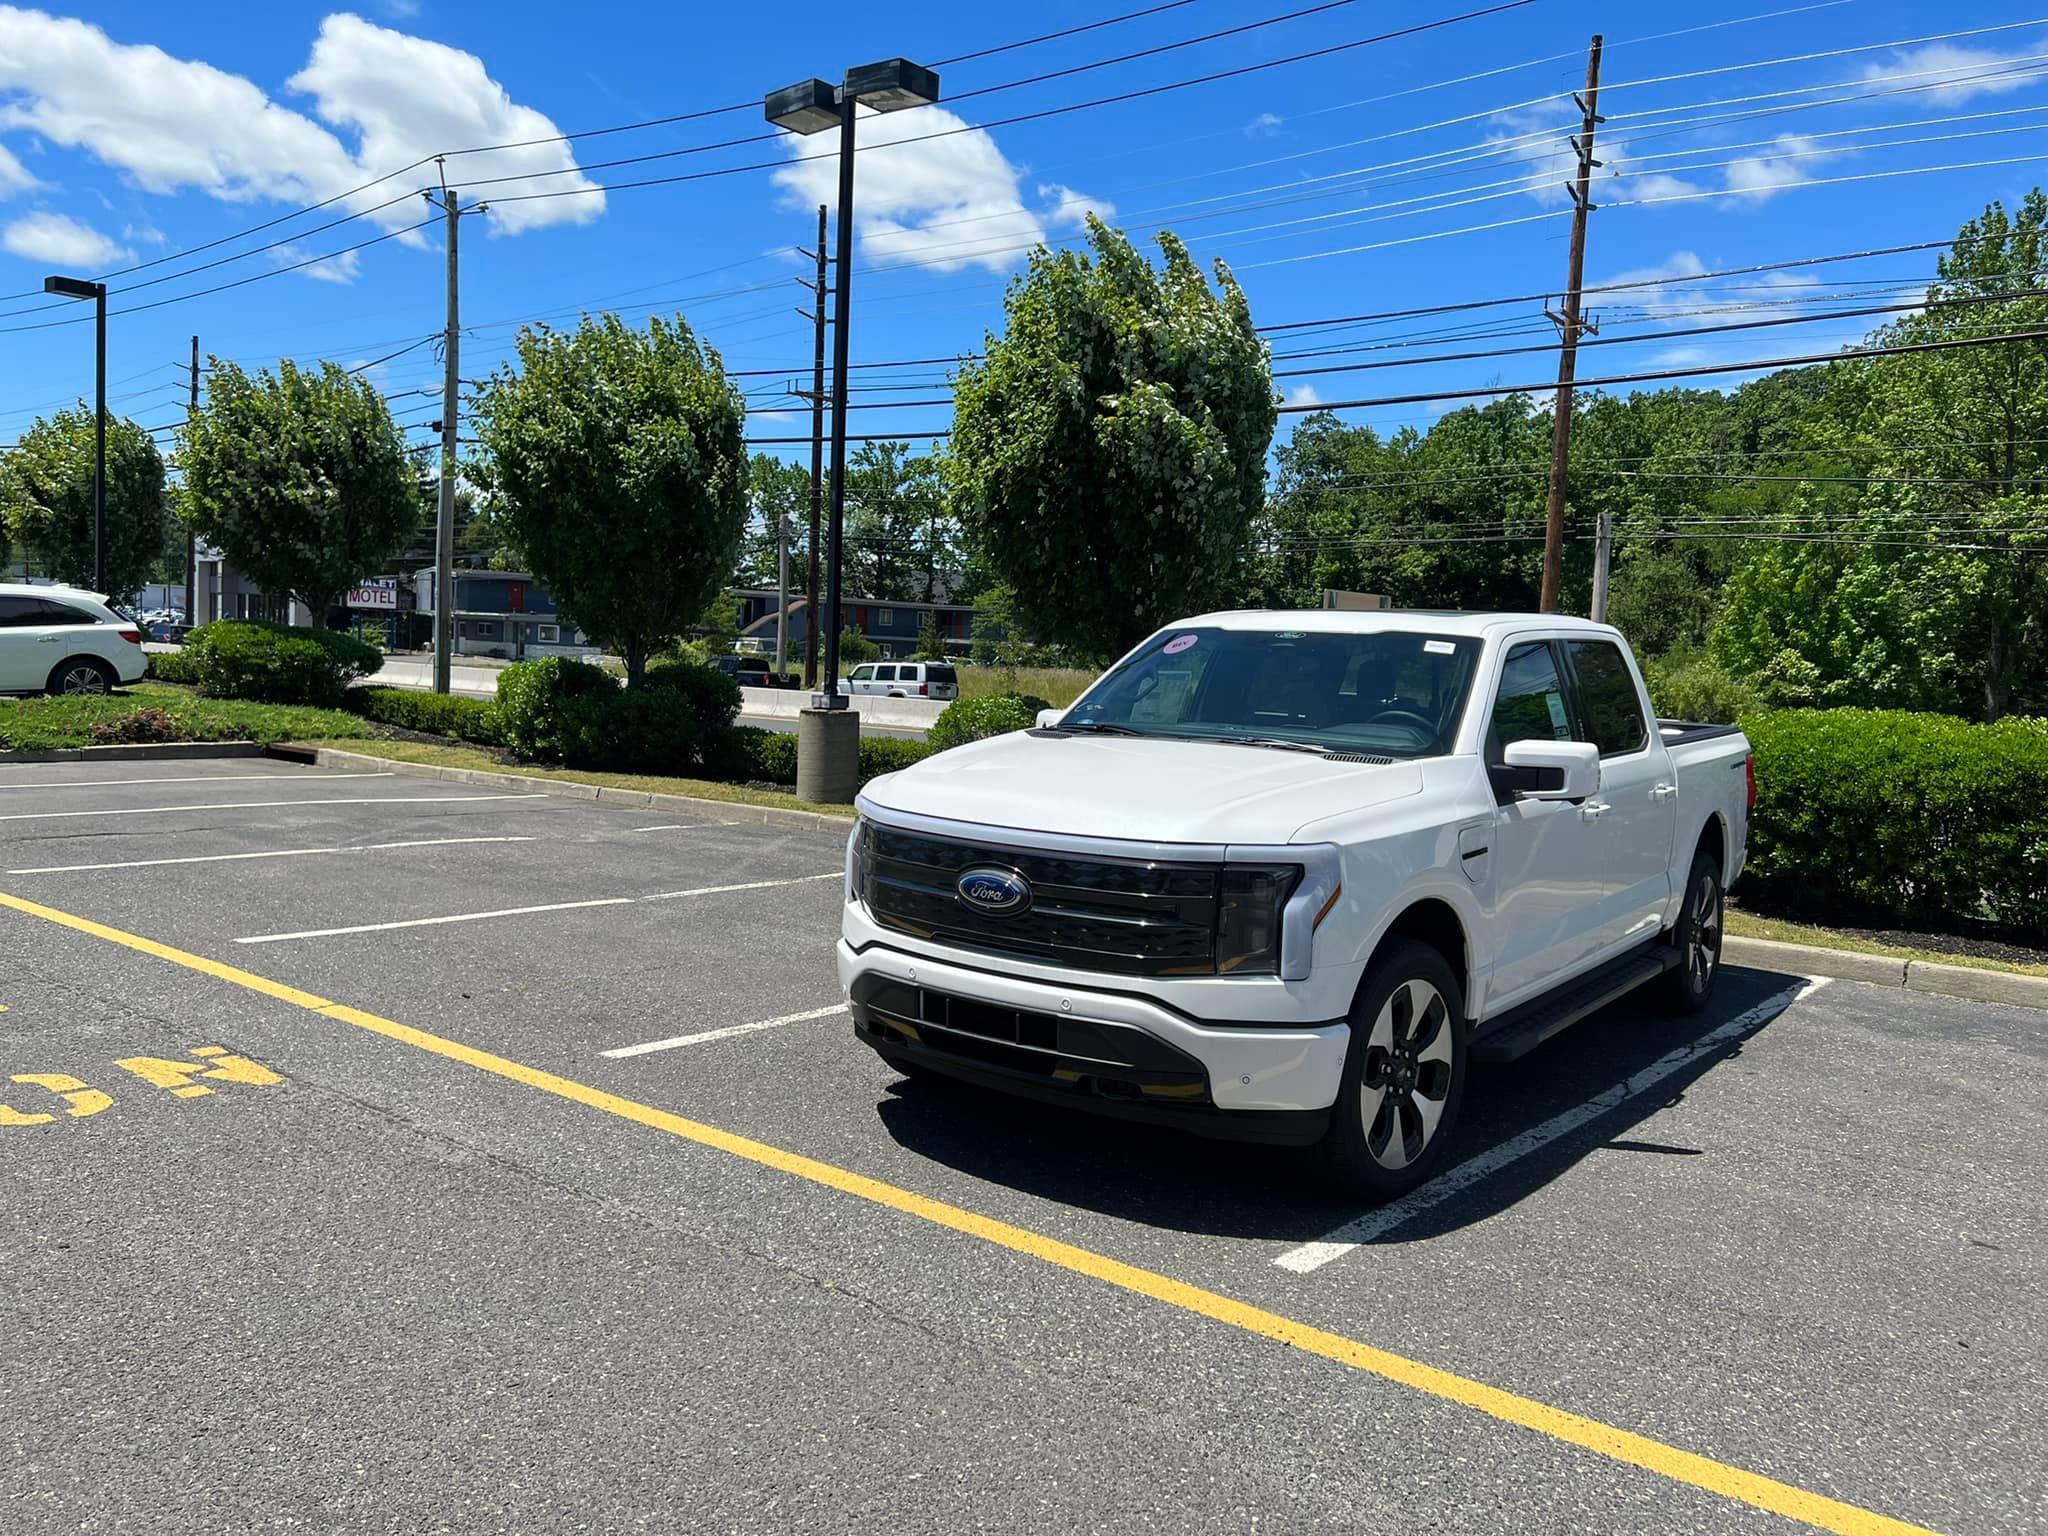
x=1403 y=1062
x=1689 y=986
x=82 y=675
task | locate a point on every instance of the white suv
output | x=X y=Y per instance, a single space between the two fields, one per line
x=906 y=679
x=64 y=640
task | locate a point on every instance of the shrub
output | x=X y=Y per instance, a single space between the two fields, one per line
x=433 y=713
x=1693 y=686
x=172 y=667
x=536 y=700
x=141 y=725
x=992 y=714
x=884 y=754
x=746 y=754
x=1920 y=818
x=277 y=663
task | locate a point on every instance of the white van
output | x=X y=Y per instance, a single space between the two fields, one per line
x=906 y=679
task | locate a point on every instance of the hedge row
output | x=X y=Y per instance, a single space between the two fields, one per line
x=435 y=714
x=752 y=755
x=269 y=663
x=1888 y=814
x=561 y=710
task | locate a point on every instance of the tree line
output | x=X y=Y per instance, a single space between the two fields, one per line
x=1866 y=531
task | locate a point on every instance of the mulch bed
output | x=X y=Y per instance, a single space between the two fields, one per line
x=1985 y=944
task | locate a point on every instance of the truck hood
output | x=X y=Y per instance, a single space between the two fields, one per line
x=1149 y=791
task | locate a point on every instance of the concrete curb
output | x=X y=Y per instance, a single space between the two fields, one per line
x=733 y=811
x=1964 y=981
x=160 y=752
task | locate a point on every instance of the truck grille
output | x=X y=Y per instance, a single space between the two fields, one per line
x=1138 y=917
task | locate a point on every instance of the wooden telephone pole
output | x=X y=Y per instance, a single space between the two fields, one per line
x=1570 y=324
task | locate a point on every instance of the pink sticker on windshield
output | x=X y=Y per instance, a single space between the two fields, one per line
x=1178 y=644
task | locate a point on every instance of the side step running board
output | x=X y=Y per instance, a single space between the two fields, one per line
x=1533 y=1023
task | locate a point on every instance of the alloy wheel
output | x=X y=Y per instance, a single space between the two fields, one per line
x=1407 y=1075
x=1703 y=952
x=82 y=679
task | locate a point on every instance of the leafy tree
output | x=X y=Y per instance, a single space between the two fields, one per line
x=931 y=644
x=1109 y=455
x=614 y=457
x=301 y=479
x=46 y=500
x=855 y=647
x=901 y=538
x=775 y=488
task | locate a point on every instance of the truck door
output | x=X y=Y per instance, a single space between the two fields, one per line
x=1546 y=873
x=1635 y=817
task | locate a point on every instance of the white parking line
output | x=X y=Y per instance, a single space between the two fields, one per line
x=281 y=775
x=683 y=826
x=1377 y=1223
x=434 y=922
x=256 y=805
x=705 y=1037
x=275 y=853
x=552 y=906
x=751 y=885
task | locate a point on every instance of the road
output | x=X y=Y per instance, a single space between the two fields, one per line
x=482 y=682
x=384 y=1155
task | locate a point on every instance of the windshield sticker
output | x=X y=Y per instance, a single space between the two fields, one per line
x=1178 y=644
x=1290 y=634
x=1440 y=647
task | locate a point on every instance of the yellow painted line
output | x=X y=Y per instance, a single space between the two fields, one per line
x=1573 y=1429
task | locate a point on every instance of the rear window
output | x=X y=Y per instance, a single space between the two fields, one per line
x=940 y=675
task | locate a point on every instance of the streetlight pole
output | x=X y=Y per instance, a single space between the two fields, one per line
x=80 y=288
x=828 y=735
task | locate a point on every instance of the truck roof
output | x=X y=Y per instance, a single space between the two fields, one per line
x=1342 y=621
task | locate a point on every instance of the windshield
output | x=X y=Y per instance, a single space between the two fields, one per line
x=1392 y=694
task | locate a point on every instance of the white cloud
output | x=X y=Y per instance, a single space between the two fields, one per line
x=335 y=269
x=1303 y=394
x=14 y=176
x=1973 y=71
x=1535 y=143
x=950 y=202
x=1265 y=126
x=61 y=242
x=170 y=124
x=145 y=234
x=1763 y=176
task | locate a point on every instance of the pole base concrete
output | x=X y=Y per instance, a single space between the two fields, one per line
x=827 y=756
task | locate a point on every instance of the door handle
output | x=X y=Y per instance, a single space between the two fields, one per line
x=1594 y=811
x=49 y=640
x=1663 y=791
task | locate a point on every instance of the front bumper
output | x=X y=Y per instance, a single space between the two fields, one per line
x=1111 y=1052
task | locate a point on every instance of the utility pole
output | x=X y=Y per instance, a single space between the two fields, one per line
x=817 y=397
x=192 y=539
x=782 y=591
x=451 y=399
x=1570 y=325
x=1603 y=556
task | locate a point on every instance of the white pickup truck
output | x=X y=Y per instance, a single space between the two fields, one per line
x=1283 y=876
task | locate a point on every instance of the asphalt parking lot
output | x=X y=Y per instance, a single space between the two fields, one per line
x=381 y=1154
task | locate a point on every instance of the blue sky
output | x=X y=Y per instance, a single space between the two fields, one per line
x=1334 y=186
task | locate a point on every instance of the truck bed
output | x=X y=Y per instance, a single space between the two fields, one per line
x=1682 y=732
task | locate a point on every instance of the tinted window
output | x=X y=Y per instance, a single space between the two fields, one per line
x=1531 y=704
x=17 y=612
x=1390 y=693
x=64 y=613
x=885 y=674
x=940 y=675
x=1609 y=694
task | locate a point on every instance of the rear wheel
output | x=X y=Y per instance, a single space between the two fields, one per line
x=1404 y=1075
x=82 y=675
x=1689 y=986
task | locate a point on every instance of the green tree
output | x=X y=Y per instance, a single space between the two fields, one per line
x=931 y=644
x=1108 y=456
x=615 y=458
x=776 y=489
x=901 y=537
x=300 y=479
x=46 y=500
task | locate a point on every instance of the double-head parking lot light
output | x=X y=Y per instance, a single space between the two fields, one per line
x=80 y=288
x=812 y=106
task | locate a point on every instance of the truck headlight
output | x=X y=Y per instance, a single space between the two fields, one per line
x=857 y=843
x=1250 y=900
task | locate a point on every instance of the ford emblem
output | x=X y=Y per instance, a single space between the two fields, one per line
x=994 y=892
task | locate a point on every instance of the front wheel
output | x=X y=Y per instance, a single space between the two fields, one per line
x=82 y=675
x=1689 y=985
x=1404 y=1075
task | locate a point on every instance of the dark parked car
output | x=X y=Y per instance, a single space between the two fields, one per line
x=747 y=671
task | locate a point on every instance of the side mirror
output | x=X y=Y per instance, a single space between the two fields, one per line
x=1557 y=770
x=1048 y=718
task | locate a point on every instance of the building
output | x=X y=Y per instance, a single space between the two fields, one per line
x=505 y=613
x=893 y=626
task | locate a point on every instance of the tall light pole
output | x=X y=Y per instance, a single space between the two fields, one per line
x=812 y=106
x=80 y=288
